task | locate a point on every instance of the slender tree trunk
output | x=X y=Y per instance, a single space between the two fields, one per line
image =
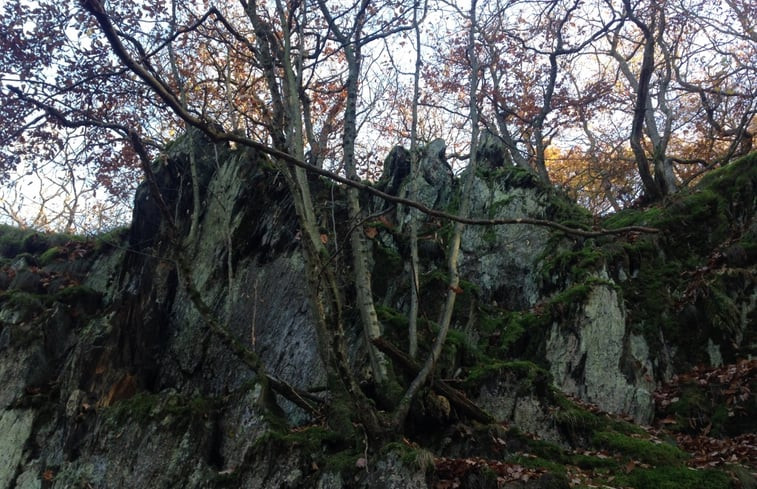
x=229 y=96
x=360 y=246
x=193 y=170
x=296 y=137
x=513 y=155
x=641 y=107
x=539 y=140
x=400 y=413
x=663 y=166
x=348 y=399
x=360 y=249
x=414 y=173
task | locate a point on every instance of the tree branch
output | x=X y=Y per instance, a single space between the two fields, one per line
x=463 y=405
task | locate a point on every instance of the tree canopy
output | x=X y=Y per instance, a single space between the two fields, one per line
x=610 y=100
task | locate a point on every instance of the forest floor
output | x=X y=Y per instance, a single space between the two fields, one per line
x=684 y=418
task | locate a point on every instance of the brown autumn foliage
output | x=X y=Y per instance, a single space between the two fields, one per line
x=552 y=76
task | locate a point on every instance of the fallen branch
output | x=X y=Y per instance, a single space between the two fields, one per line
x=303 y=399
x=463 y=405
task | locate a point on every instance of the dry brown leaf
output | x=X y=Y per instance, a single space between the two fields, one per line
x=386 y=222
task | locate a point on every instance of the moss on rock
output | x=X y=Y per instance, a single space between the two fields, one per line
x=638 y=448
x=673 y=478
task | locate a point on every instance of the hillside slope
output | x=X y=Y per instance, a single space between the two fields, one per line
x=614 y=361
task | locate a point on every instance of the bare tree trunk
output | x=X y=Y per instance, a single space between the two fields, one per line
x=641 y=107
x=538 y=123
x=296 y=139
x=663 y=181
x=347 y=399
x=514 y=155
x=414 y=172
x=194 y=173
x=663 y=165
x=371 y=328
x=400 y=413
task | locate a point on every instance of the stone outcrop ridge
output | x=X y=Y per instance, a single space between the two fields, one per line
x=111 y=378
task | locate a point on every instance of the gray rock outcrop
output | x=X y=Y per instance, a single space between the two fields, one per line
x=111 y=377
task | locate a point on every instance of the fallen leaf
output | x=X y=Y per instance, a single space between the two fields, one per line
x=386 y=222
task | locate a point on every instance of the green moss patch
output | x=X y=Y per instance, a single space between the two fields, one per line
x=391 y=318
x=410 y=456
x=11 y=240
x=20 y=300
x=145 y=407
x=14 y=241
x=325 y=448
x=51 y=255
x=575 y=422
x=637 y=448
x=578 y=264
x=79 y=295
x=114 y=238
x=673 y=478
x=530 y=377
x=312 y=439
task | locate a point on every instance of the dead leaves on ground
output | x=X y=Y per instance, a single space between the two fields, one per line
x=729 y=386
x=710 y=452
x=453 y=471
x=709 y=399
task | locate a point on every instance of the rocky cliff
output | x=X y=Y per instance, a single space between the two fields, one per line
x=111 y=377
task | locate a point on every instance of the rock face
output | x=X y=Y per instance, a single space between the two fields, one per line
x=504 y=260
x=432 y=184
x=585 y=357
x=16 y=426
x=111 y=378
